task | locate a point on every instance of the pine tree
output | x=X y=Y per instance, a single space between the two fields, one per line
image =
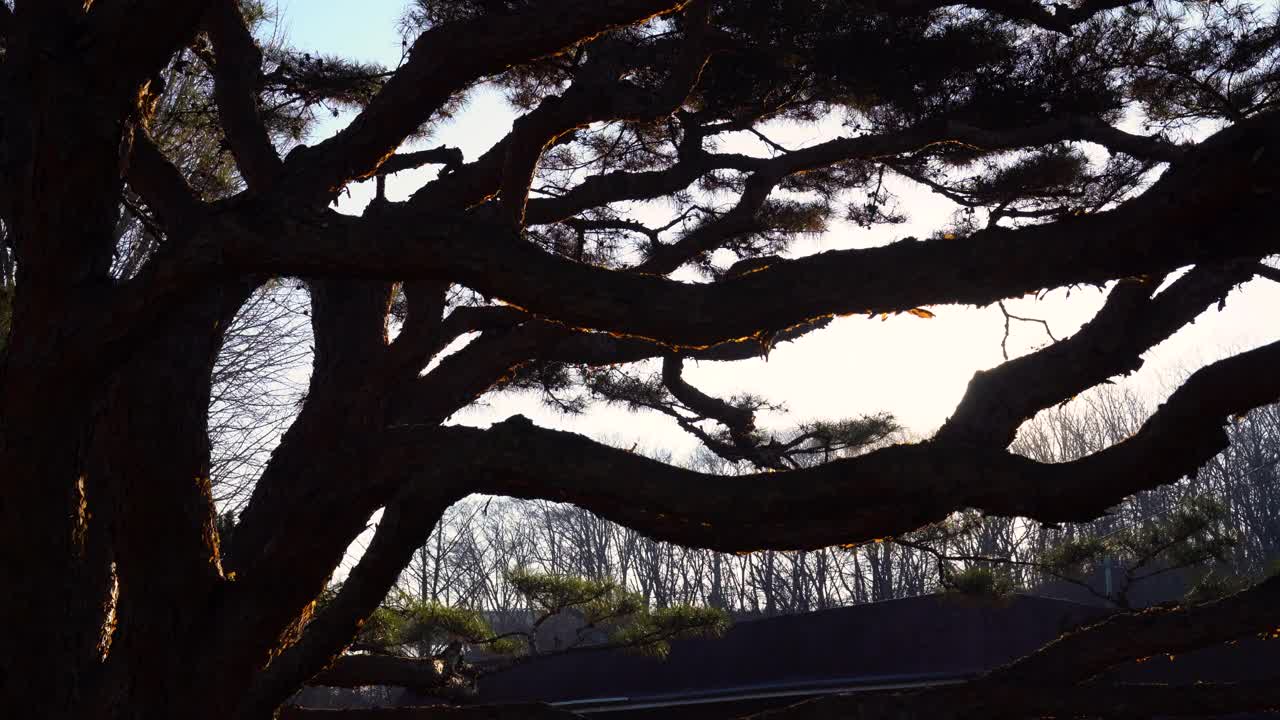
x=123 y=600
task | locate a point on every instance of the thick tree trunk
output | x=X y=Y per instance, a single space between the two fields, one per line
x=151 y=450
x=405 y=523
x=56 y=580
x=103 y=445
x=288 y=541
x=63 y=141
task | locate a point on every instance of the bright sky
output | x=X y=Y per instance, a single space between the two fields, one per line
x=914 y=368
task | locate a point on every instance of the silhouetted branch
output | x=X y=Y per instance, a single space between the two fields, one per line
x=1004 y=342
x=997 y=401
x=738 y=220
x=157 y=180
x=445 y=60
x=115 y=50
x=1047 y=682
x=527 y=141
x=314 y=659
x=237 y=74
x=451 y=158
x=882 y=493
x=619 y=186
x=1201 y=210
x=1266 y=271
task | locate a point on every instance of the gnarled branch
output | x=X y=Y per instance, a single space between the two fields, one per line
x=1131 y=322
x=126 y=58
x=1208 y=207
x=1081 y=655
x=525 y=145
x=445 y=60
x=236 y=80
x=885 y=492
x=1046 y=682
x=403 y=526
x=451 y=158
x=157 y=180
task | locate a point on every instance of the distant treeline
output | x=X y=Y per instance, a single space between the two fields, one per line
x=462 y=561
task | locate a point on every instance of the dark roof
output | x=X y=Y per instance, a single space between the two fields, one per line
x=923 y=639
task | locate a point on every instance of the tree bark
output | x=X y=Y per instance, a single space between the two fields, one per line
x=151 y=451
x=63 y=135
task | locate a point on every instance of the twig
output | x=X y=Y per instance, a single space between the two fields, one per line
x=764 y=139
x=1004 y=342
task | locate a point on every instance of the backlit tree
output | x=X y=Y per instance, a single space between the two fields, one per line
x=121 y=601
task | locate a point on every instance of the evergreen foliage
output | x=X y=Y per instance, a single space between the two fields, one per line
x=606 y=615
x=167 y=217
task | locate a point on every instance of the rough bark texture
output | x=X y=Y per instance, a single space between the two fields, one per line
x=69 y=118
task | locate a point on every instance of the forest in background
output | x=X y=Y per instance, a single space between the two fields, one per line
x=1199 y=538
x=259 y=380
x=463 y=561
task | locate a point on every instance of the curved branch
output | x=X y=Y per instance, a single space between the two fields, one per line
x=1083 y=654
x=402 y=528
x=445 y=60
x=420 y=340
x=948 y=132
x=1131 y=322
x=283 y=558
x=527 y=141
x=1208 y=207
x=1019 y=689
x=465 y=375
x=739 y=220
x=157 y=180
x=595 y=348
x=619 y=186
x=597 y=97
x=125 y=57
x=471 y=371
x=738 y=420
x=1139 y=146
x=451 y=158
x=236 y=77
x=885 y=492
x=611 y=187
